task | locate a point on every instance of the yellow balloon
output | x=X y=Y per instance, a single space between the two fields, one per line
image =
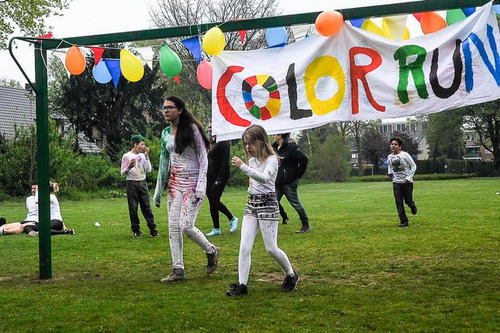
x=131 y=66
x=386 y=32
x=406 y=34
x=368 y=25
x=214 y=41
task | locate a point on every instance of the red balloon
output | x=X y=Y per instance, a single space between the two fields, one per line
x=329 y=22
x=432 y=22
x=204 y=74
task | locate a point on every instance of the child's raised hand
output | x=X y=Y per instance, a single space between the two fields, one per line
x=236 y=161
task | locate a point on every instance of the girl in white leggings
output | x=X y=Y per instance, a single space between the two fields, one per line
x=261 y=211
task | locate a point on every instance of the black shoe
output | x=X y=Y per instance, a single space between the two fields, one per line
x=403 y=224
x=137 y=234
x=154 y=233
x=413 y=210
x=213 y=260
x=290 y=282
x=2 y=221
x=237 y=289
x=305 y=228
x=285 y=220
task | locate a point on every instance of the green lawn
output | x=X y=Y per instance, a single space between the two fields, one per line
x=359 y=270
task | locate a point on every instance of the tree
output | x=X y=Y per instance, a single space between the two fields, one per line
x=28 y=16
x=374 y=147
x=485 y=120
x=445 y=136
x=10 y=83
x=330 y=160
x=172 y=13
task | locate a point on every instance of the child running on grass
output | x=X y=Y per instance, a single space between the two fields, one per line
x=261 y=211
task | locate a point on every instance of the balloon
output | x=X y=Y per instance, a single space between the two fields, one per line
x=169 y=62
x=454 y=16
x=75 y=61
x=496 y=8
x=131 y=66
x=276 y=36
x=432 y=22
x=101 y=73
x=357 y=22
x=113 y=66
x=406 y=34
x=204 y=74
x=329 y=22
x=470 y=10
x=368 y=25
x=214 y=41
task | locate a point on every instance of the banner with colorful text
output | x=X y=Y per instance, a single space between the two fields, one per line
x=356 y=75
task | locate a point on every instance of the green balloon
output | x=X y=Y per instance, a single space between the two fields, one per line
x=454 y=16
x=169 y=62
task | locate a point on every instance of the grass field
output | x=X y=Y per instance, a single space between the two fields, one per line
x=359 y=270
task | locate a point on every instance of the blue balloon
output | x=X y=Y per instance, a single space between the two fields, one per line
x=357 y=22
x=496 y=8
x=101 y=73
x=468 y=11
x=276 y=36
x=114 y=69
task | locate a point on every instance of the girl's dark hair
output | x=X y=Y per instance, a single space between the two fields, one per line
x=185 y=135
x=285 y=137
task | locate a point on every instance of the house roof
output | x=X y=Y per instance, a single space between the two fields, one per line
x=16 y=107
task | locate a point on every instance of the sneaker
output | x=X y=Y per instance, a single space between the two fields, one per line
x=305 y=228
x=33 y=233
x=237 y=289
x=403 y=224
x=154 y=233
x=214 y=232
x=290 y=282
x=213 y=260
x=233 y=224
x=2 y=221
x=413 y=210
x=137 y=234
x=177 y=274
x=285 y=220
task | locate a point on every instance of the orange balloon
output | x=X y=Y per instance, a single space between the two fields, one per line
x=329 y=22
x=75 y=61
x=432 y=22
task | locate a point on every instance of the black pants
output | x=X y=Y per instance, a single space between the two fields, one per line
x=56 y=228
x=403 y=191
x=214 y=193
x=138 y=194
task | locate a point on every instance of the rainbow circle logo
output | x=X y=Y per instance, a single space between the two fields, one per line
x=273 y=105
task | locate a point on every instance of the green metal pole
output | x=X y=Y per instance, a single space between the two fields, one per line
x=42 y=132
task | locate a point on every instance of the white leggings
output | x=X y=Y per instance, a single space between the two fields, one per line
x=183 y=208
x=269 y=230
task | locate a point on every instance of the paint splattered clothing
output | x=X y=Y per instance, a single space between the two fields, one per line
x=141 y=167
x=186 y=192
x=261 y=213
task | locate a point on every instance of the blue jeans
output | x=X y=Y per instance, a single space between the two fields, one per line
x=290 y=192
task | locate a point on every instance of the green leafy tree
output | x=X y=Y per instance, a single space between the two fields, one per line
x=330 y=159
x=485 y=120
x=374 y=147
x=445 y=136
x=27 y=16
x=10 y=83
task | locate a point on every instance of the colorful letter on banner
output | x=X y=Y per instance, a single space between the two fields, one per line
x=356 y=75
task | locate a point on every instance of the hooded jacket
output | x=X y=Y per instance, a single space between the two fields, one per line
x=293 y=162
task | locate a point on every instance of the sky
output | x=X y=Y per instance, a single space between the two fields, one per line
x=90 y=17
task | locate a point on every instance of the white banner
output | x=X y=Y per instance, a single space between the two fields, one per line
x=356 y=75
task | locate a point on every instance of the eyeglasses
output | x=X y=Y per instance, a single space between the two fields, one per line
x=169 y=107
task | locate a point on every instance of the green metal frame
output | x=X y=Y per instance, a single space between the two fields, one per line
x=40 y=88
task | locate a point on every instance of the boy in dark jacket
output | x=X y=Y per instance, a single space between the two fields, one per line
x=293 y=164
